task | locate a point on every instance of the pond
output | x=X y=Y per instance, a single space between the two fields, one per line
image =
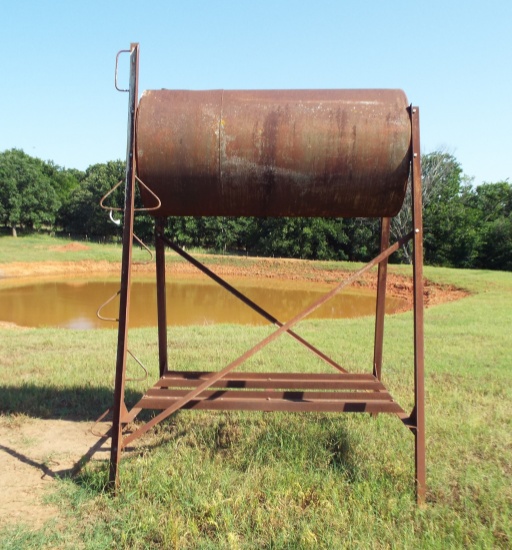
x=73 y=302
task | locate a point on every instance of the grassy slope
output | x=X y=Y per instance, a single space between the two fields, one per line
x=244 y=480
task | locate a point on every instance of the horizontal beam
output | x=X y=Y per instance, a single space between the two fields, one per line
x=271 y=394
x=265 y=403
x=284 y=381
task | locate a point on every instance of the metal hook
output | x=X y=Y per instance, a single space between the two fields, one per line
x=145 y=377
x=98 y=313
x=117 y=63
x=111 y=208
x=151 y=208
x=141 y=242
x=116 y=209
x=116 y=222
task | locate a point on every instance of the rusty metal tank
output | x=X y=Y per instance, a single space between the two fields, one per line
x=329 y=153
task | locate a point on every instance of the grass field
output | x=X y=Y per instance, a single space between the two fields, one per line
x=272 y=480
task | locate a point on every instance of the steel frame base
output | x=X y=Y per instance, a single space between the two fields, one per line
x=230 y=390
x=292 y=392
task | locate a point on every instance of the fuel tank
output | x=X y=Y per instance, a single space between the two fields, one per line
x=304 y=153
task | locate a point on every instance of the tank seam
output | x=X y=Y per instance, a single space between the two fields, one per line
x=220 y=138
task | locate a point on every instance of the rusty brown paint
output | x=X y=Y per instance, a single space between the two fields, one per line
x=161 y=296
x=296 y=153
x=178 y=404
x=247 y=301
x=381 y=300
x=276 y=401
x=119 y=408
x=330 y=153
x=418 y=414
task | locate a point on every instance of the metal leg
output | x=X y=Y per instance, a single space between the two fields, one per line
x=161 y=296
x=126 y=264
x=418 y=415
x=381 y=300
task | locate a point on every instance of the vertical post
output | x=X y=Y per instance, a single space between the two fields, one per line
x=126 y=264
x=160 y=294
x=381 y=299
x=418 y=414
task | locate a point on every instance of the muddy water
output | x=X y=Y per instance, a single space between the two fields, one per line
x=72 y=303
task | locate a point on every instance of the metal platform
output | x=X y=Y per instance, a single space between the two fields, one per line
x=292 y=392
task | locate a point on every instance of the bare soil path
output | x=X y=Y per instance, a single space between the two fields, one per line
x=33 y=453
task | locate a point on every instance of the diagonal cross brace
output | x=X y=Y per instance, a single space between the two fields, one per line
x=260 y=345
x=247 y=301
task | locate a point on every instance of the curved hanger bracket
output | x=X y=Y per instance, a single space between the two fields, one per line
x=144 y=246
x=117 y=65
x=104 y=304
x=114 y=221
x=118 y=209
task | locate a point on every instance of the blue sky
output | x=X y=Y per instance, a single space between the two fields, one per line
x=452 y=58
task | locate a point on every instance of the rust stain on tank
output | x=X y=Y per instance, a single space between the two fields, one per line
x=337 y=153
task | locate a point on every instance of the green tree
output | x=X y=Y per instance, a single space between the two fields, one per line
x=362 y=238
x=184 y=230
x=440 y=183
x=64 y=181
x=27 y=197
x=451 y=236
x=83 y=214
x=494 y=204
x=307 y=238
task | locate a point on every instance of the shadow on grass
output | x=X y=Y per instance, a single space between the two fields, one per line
x=53 y=472
x=342 y=455
x=242 y=440
x=247 y=440
x=74 y=403
x=43 y=467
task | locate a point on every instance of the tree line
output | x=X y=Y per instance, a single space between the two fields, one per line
x=464 y=226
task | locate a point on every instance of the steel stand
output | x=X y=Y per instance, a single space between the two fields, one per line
x=229 y=390
x=418 y=414
x=126 y=263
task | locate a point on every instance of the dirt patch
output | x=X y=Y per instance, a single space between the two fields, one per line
x=399 y=286
x=36 y=269
x=33 y=453
x=12 y=326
